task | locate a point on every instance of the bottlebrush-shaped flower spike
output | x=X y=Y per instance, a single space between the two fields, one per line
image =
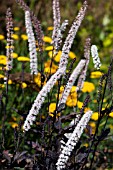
x=32 y=45
x=58 y=38
x=56 y=19
x=9 y=49
x=71 y=81
x=71 y=143
x=95 y=56
x=36 y=24
x=40 y=99
x=71 y=35
x=82 y=76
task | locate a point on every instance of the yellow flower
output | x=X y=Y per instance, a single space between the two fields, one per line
x=2 y=37
x=79 y=104
x=72 y=55
x=50 y=28
x=16 y=28
x=14 y=55
x=56 y=57
x=47 y=39
x=111 y=114
x=73 y=89
x=10 y=82
x=23 y=59
x=52 y=107
x=47 y=68
x=93 y=125
x=86 y=145
x=3 y=61
x=2 y=57
x=24 y=37
x=15 y=36
x=49 y=48
x=37 y=79
x=9 y=47
x=61 y=89
x=94 y=116
x=71 y=101
x=88 y=87
x=24 y=85
x=86 y=109
x=96 y=74
x=2 y=85
x=13 y=124
x=1 y=76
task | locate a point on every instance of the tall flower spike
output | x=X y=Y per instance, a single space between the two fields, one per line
x=82 y=76
x=71 y=35
x=76 y=120
x=9 y=28
x=59 y=36
x=56 y=19
x=71 y=81
x=71 y=143
x=40 y=99
x=95 y=56
x=36 y=24
x=32 y=45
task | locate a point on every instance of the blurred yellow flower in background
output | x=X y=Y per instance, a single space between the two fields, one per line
x=47 y=68
x=111 y=114
x=71 y=101
x=72 y=98
x=13 y=124
x=15 y=36
x=47 y=39
x=95 y=116
x=2 y=57
x=49 y=48
x=23 y=59
x=24 y=85
x=1 y=76
x=56 y=57
x=2 y=37
x=16 y=28
x=2 y=85
x=14 y=55
x=52 y=107
x=96 y=74
x=79 y=104
x=24 y=37
x=37 y=79
x=3 y=61
x=9 y=47
x=50 y=28
x=72 y=55
x=10 y=82
x=93 y=125
x=88 y=87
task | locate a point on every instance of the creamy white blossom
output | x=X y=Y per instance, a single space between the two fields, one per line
x=58 y=38
x=10 y=47
x=32 y=44
x=71 y=35
x=40 y=99
x=82 y=76
x=56 y=19
x=95 y=56
x=71 y=81
x=72 y=141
